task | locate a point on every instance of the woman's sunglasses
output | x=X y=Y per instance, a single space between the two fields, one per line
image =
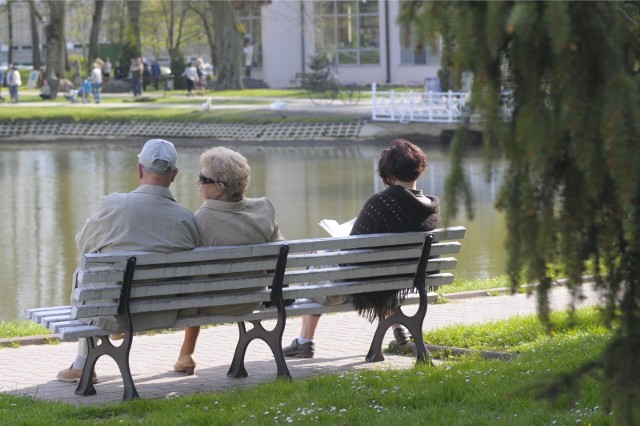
x=205 y=180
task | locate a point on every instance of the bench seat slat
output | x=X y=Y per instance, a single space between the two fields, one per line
x=80 y=331
x=56 y=327
x=39 y=317
x=47 y=321
x=31 y=313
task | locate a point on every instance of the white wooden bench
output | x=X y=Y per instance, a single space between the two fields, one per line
x=131 y=283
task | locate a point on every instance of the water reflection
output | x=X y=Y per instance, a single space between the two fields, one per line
x=49 y=191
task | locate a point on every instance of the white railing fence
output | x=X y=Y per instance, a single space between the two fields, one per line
x=430 y=107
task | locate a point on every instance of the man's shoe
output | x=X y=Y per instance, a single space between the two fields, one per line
x=73 y=375
x=401 y=335
x=301 y=350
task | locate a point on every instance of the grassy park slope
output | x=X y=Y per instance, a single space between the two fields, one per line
x=463 y=391
x=239 y=106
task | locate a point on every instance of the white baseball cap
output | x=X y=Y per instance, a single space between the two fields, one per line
x=158 y=149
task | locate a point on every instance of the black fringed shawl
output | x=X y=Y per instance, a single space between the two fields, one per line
x=396 y=209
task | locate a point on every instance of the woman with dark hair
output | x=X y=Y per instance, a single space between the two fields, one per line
x=400 y=207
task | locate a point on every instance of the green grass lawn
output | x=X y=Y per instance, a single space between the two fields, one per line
x=171 y=106
x=462 y=391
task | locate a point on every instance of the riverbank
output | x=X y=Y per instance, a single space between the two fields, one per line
x=224 y=118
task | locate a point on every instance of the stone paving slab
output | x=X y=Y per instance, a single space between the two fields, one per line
x=342 y=341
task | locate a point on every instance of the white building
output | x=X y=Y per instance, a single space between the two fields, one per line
x=362 y=38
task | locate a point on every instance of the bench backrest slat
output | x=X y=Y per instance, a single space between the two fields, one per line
x=204 y=271
x=171 y=304
x=159 y=288
x=171 y=271
x=186 y=256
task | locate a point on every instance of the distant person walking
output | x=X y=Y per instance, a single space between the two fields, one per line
x=106 y=70
x=96 y=81
x=156 y=74
x=2 y=83
x=13 y=82
x=190 y=77
x=137 y=68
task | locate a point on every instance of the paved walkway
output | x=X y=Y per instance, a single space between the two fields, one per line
x=341 y=344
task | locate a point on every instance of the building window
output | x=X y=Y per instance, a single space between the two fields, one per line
x=348 y=31
x=414 y=51
x=250 y=17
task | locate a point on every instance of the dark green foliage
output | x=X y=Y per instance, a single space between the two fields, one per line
x=178 y=64
x=319 y=62
x=127 y=53
x=572 y=190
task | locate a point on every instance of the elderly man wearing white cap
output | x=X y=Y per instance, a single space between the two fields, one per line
x=148 y=219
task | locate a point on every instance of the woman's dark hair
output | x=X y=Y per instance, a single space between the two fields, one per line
x=402 y=161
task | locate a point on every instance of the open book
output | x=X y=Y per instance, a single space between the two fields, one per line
x=336 y=229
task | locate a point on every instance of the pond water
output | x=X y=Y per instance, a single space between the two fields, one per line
x=50 y=189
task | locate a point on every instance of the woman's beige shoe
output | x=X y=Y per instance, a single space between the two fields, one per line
x=185 y=364
x=73 y=375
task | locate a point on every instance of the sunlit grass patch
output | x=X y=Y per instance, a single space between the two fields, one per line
x=519 y=334
x=21 y=329
x=466 y=391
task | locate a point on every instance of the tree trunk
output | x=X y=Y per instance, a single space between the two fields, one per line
x=205 y=16
x=56 y=47
x=93 y=53
x=175 y=24
x=10 y=32
x=228 y=46
x=133 y=29
x=35 y=18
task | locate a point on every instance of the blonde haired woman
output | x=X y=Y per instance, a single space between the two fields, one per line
x=227 y=217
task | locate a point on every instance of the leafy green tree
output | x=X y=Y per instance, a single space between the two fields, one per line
x=572 y=190
x=170 y=25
